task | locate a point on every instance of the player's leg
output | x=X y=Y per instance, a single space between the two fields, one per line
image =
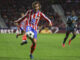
x=74 y=35
x=67 y=34
x=22 y=32
x=18 y=32
x=33 y=46
x=24 y=38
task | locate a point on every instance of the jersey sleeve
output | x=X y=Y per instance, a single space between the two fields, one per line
x=45 y=17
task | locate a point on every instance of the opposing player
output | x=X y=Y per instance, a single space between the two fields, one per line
x=71 y=27
x=21 y=26
x=33 y=16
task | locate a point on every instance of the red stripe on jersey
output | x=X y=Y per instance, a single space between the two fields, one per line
x=33 y=18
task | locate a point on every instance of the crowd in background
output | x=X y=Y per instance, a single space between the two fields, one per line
x=11 y=10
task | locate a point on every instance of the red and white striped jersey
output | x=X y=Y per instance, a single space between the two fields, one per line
x=33 y=18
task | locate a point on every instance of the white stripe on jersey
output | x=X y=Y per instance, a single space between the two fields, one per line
x=35 y=20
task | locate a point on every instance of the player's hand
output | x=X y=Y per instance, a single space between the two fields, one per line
x=17 y=24
x=15 y=21
x=50 y=24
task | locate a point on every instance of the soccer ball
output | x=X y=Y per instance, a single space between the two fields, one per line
x=30 y=34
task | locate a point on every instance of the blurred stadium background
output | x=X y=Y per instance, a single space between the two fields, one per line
x=49 y=46
x=56 y=10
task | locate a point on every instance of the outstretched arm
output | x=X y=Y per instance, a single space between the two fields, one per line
x=46 y=18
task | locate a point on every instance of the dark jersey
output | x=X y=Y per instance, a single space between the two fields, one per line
x=71 y=21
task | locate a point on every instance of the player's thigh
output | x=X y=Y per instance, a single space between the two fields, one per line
x=70 y=29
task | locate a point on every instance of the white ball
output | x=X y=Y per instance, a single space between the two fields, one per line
x=30 y=34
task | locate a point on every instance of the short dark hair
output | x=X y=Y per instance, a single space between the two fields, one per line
x=34 y=3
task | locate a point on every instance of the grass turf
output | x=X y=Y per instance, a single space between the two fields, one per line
x=49 y=47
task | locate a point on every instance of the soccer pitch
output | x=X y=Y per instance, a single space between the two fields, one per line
x=49 y=47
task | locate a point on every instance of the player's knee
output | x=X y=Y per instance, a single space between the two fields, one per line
x=34 y=45
x=34 y=42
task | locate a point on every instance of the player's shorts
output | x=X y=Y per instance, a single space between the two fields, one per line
x=29 y=28
x=21 y=28
x=70 y=29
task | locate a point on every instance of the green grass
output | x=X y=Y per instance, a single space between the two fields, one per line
x=49 y=47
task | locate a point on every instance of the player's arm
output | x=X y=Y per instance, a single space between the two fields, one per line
x=46 y=18
x=69 y=21
x=22 y=18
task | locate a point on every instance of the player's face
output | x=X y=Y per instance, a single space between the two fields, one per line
x=37 y=7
